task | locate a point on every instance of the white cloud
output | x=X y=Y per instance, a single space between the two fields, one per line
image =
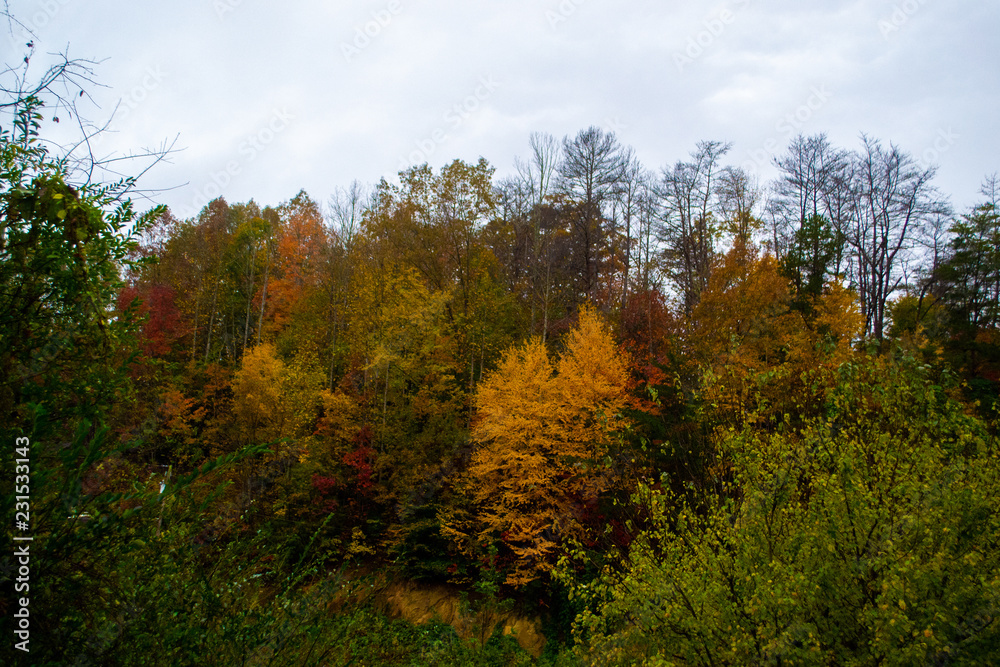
x=226 y=72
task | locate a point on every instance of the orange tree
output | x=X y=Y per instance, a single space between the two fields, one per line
x=543 y=434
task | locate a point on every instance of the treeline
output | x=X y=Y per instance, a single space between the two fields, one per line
x=583 y=222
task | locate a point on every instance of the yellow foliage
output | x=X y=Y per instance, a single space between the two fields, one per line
x=339 y=424
x=754 y=348
x=393 y=315
x=257 y=392
x=593 y=371
x=274 y=400
x=542 y=439
x=743 y=315
x=838 y=322
x=341 y=418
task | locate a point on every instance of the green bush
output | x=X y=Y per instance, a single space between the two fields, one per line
x=866 y=537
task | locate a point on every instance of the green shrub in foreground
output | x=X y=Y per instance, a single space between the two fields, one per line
x=867 y=537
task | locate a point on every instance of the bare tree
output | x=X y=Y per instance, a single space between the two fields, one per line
x=629 y=198
x=808 y=168
x=892 y=200
x=346 y=209
x=535 y=182
x=739 y=195
x=344 y=214
x=807 y=209
x=591 y=167
x=538 y=172
x=648 y=220
x=688 y=227
x=991 y=190
x=59 y=94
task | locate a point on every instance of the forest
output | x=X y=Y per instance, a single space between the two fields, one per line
x=613 y=414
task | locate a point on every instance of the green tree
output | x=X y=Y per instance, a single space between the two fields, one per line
x=865 y=537
x=816 y=248
x=64 y=357
x=967 y=284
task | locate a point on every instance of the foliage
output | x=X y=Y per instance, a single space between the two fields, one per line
x=866 y=536
x=543 y=439
x=759 y=354
x=323 y=393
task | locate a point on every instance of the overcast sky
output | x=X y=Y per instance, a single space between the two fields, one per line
x=268 y=99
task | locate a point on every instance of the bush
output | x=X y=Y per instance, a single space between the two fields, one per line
x=868 y=536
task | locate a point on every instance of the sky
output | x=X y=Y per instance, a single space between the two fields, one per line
x=264 y=100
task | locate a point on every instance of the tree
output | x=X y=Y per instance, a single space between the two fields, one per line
x=892 y=197
x=739 y=195
x=62 y=249
x=591 y=167
x=249 y=249
x=346 y=215
x=741 y=327
x=536 y=180
x=543 y=431
x=294 y=287
x=434 y=224
x=688 y=192
x=63 y=91
x=968 y=278
x=865 y=536
x=759 y=355
x=811 y=260
x=966 y=283
x=64 y=358
x=630 y=196
x=812 y=170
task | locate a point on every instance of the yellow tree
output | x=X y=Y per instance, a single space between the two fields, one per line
x=257 y=397
x=755 y=348
x=272 y=399
x=543 y=432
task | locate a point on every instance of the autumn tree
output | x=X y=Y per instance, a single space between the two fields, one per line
x=249 y=259
x=433 y=223
x=274 y=400
x=215 y=227
x=543 y=432
x=753 y=346
x=293 y=289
